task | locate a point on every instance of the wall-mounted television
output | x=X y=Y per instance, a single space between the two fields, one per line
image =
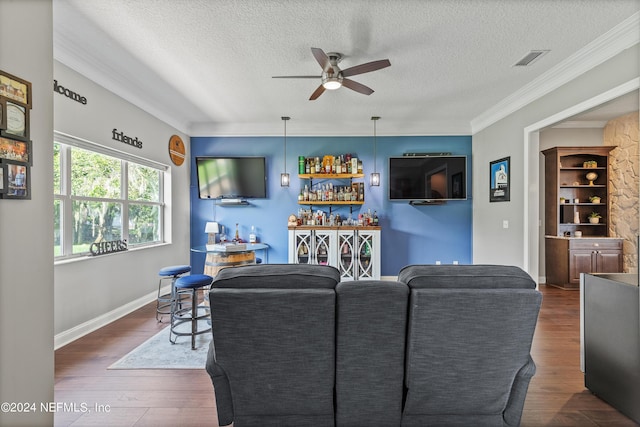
x=425 y=177
x=231 y=177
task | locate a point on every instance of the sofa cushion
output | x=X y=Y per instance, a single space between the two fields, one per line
x=465 y=277
x=371 y=330
x=275 y=351
x=465 y=349
x=278 y=276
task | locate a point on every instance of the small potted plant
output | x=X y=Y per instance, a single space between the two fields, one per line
x=594 y=217
x=595 y=199
x=590 y=164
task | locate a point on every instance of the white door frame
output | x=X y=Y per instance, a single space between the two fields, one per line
x=531 y=168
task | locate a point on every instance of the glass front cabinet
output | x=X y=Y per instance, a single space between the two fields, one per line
x=354 y=251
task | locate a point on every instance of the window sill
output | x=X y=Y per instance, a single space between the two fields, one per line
x=79 y=258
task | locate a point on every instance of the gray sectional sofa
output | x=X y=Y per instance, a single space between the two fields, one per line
x=442 y=346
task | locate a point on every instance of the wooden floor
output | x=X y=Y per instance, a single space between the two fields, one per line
x=556 y=397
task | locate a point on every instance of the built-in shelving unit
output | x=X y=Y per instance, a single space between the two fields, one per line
x=568 y=190
x=574 y=244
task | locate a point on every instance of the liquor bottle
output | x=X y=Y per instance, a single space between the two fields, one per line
x=236 y=238
x=252 y=235
x=375 y=218
x=307 y=166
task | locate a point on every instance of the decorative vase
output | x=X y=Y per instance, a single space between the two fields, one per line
x=591 y=176
x=576 y=217
x=594 y=220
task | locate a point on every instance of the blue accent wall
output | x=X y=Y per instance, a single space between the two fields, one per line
x=410 y=234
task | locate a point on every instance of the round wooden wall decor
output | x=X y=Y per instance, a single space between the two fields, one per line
x=176 y=150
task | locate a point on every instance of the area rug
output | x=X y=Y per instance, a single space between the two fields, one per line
x=158 y=353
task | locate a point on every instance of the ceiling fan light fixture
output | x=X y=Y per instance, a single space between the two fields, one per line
x=332 y=83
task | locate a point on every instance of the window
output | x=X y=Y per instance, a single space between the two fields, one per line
x=103 y=195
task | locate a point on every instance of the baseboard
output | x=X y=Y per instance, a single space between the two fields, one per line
x=70 y=335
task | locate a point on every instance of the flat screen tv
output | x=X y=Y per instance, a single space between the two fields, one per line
x=428 y=178
x=231 y=177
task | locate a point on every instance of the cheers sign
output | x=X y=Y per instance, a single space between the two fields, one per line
x=103 y=248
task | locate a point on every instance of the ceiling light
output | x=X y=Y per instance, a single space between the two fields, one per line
x=375 y=176
x=284 y=177
x=332 y=83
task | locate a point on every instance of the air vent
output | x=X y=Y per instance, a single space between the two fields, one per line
x=530 y=57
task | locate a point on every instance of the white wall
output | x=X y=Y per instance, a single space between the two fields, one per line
x=492 y=243
x=94 y=290
x=26 y=228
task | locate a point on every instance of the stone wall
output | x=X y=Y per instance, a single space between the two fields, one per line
x=624 y=185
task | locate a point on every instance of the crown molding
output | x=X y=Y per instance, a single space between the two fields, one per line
x=306 y=128
x=616 y=40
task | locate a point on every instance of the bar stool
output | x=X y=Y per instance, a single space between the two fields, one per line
x=164 y=302
x=189 y=285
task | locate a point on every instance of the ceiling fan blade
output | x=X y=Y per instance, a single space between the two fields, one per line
x=366 y=68
x=296 y=77
x=358 y=87
x=320 y=56
x=317 y=93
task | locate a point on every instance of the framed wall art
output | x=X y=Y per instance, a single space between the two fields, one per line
x=15 y=88
x=17 y=151
x=17 y=121
x=3 y=179
x=17 y=180
x=3 y=113
x=499 y=180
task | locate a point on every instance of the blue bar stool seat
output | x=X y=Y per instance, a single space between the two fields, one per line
x=165 y=301
x=189 y=285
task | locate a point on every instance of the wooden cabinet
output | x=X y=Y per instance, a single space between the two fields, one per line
x=354 y=251
x=566 y=258
x=576 y=185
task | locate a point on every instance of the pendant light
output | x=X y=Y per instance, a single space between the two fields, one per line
x=284 y=177
x=375 y=176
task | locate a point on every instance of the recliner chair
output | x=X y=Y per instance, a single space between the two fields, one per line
x=469 y=338
x=272 y=359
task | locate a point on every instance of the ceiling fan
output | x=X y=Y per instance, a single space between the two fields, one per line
x=333 y=77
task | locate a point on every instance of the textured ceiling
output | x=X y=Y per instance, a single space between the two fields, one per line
x=206 y=66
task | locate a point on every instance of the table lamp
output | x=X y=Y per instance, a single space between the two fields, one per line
x=212 y=229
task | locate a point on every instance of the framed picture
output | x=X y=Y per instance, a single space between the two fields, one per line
x=17 y=121
x=18 y=151
x=499 y=180
x=3 y=179
x=3 y=113
x=15 y=89
x=17 y=179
